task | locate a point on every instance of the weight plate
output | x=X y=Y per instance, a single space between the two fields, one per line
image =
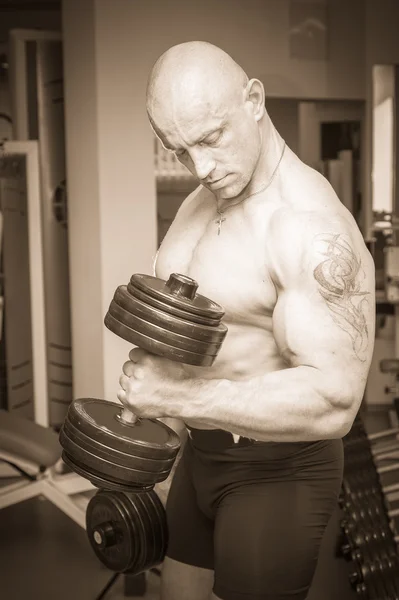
x=155 y=535
x=161 y=333
x=138 y=517
x=150 y=540
x=158 y=288
x=125 y=531
x=70 y=432
x=173 y=310
x=197 y=331
x=99 y=481
x=147 y=437
x=132 y=476
x=146 y=540
x=157 y=347
x=157 y=520
x=153 y=501
x=112 y=531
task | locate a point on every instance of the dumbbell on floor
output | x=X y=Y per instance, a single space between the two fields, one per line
x=122 y=454
x=368 y=530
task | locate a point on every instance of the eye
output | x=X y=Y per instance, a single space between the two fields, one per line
x=213 y=139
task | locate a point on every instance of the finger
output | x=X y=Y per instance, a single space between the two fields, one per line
x=121 y=395
x=124 y=382
x=128 y=368
x=137 y=354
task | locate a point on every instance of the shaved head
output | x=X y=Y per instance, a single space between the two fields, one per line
x=203 y=107
x=194 y=71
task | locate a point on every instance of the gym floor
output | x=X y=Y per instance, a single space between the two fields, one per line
x=44 y=555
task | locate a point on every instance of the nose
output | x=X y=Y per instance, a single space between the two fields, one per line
x=203 y=163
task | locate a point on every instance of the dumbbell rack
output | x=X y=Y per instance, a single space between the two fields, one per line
x=369 y=501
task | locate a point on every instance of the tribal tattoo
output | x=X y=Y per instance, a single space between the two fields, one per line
x=340 y=277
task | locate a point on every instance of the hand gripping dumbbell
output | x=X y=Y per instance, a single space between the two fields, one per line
x=126 y=456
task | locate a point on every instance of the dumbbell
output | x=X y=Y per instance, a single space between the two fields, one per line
x=126 y=456
x=373 y=543
x=377 y=578
x=367 y=530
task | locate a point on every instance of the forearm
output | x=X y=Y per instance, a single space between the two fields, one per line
x=284 y=406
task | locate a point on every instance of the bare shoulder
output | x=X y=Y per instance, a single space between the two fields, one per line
x=319 y=258
x=190 y=204
x=172 y=253
x=185 y=213
x=313 y=224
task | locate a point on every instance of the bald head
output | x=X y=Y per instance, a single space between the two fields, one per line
x=193 y=72
x=203 y=108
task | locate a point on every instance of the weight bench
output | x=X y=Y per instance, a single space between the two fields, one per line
x=32 y=453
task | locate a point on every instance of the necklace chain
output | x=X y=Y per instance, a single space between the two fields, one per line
x=220 y=212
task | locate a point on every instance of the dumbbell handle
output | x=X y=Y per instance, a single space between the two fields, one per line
x=127 y=417
x=381 y=434
x=388 y=468
x=384 y=448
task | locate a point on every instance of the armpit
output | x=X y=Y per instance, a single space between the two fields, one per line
x=345 y=288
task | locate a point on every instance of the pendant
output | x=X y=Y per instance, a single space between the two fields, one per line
x=219 y=222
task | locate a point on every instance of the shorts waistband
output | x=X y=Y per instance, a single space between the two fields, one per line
x=216 y=439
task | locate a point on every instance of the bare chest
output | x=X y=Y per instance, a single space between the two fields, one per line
x=228 y=262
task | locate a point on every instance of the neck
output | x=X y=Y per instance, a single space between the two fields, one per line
x=269 y=158
x=272 y=147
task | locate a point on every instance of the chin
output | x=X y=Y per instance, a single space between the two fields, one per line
x=229 y=192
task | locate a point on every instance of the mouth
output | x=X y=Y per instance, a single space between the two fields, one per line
x=216 y=183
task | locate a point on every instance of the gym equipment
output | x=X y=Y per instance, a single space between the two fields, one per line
x=123 y=455
x=127 y=532
x=33 y=452
x=107 y=444
x=369 y=502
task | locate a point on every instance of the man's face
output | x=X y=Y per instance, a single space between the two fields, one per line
x=219 y=142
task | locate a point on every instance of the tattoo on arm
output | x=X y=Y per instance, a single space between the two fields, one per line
x=340 y=277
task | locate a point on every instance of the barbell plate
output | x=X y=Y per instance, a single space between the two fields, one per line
x=197 y=331
x=124 y=459
x=153 y=501
x=139 y=519
x=148 y=534
x=138 y=534
x=103 y=509
x=161 y=333
x=151 y=540
x=97 y=419
x=168 y=308
x=157 y=288
x=156 y=347
x=158 y=519
x=101 y=482
x=134 y=475
x=154 y=527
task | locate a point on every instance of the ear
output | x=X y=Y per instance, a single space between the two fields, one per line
x=255 y=94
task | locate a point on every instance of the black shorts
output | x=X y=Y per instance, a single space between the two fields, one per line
x=254 y=512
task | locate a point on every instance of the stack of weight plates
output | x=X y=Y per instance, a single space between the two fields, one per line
x=128 y=532
x=168 y=318
x=112 y=455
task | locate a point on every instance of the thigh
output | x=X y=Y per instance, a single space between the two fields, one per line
x=190 y=532
x=267 y=540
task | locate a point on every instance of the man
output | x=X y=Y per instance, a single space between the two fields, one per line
x=266 y=237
